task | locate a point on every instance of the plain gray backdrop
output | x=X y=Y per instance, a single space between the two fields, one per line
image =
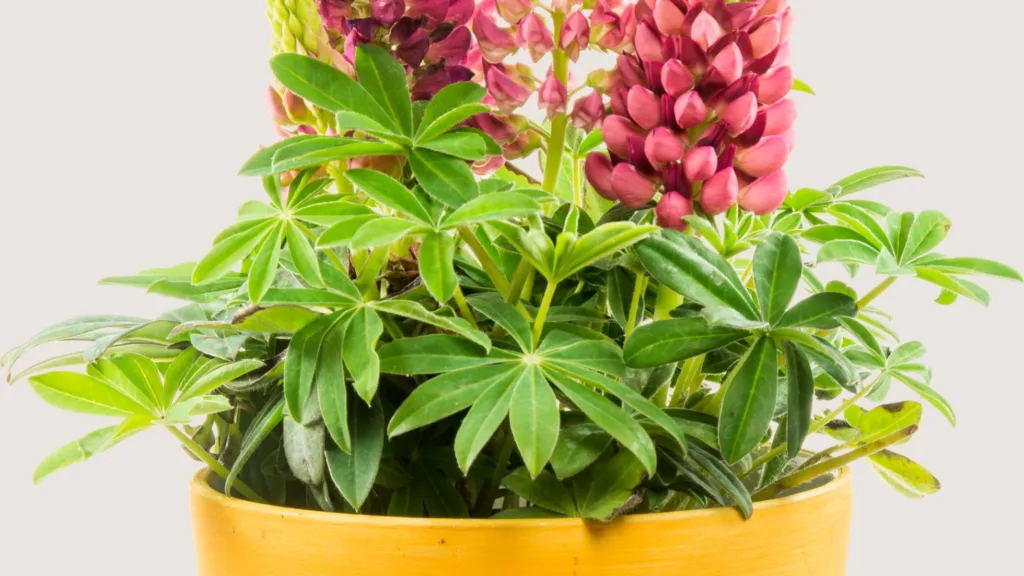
x=123 y=124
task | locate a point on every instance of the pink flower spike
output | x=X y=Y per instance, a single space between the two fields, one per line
x=534 y=35
x=507 y=93
x=275 y=105
x=598 y=169
x=775 y=85
x=774 y=7
x=787 y=25
x=739 y=114
x=452 y=49
x=552 y=96
x=729 y=63
x=630 y=187
x=790 y=137
x=630 y=70
x=575 y=35
x=648 y=44
x=616 y=131
x=296 y=107
x=662 y=147
x=719 y=193
x=588 y=111
x=495 y=42
x=619 y=102
x=387 y=12
x=644 y=107
x=765 y=194
x=780 y=117
x=676 y=78
x=460 y=11
x=767 y=156
x=668 y=17
x=334 y=13
x=700 y=163
x=433 y=12
x=690 y=110
x=765 y=37
x=705 y=30
x=671 y=209
x=513 y=10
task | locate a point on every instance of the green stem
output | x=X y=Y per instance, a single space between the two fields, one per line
x=460 y=301
x=515 y=289
x=816 y=425
x=490 y=268
x=579 y=196
x=634 y=304
x=876 y=292
x=393 y=330
x=489 y=493
x=542 y=312
x=213 y=464
x=690 y=377
x=556 y=142
x=666 y=302
x=812 y=472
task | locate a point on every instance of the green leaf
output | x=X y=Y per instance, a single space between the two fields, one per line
x=391 y=193
x=610 y=418
x=749 y=402
x=354 y=473
x=821 y=311
x=829 y=232
x=80 y=450
x=83 y=394
x=571 y=352
x=724 y=478
x=801 y=86
x=303 y=256
x=592 y=141
x=451 y=105
x=216 y=378
x=481 y=422
x=364 y=329
x=332 y=392
x=600 y=242
x=184 y=412
x=606 y=485
x=304 y=451
x=443 y=177
x=847 y=251
x=491 y=207
x=534 y=418
x=437 y=265
x=301 y=361
x=777 y=269
x=134 y=376
x=447 y=394
x=905 y=475
x=929 y=394
x=431 y=354
x=265 y=265
x=384 y=78
x=905 y=353
x=874 y=177
x=269 y=418
x=864 y=336
x=348 y=121
x=341 y=233
x=823 y=354
x=864 y=223
x=800 y=397
x=327 y=87
x=465 y=145
x=544 y=490
x=578 y=446
x=299 y=152
x=383 y=231
x=534 y=245
x=407 y=501
x=506 y=316
x=969 y=266
x=886 y=419
x=439 y=496
x=673 y=340
x=229 y=252
x=689 y=268
x=955 y=285
x=927 y=232
x=416 y=311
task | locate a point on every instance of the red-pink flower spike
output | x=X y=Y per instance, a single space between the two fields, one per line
x=552 y=96
x=533 y=34
x=575 y=35
x=588 y=111
x=698 y=105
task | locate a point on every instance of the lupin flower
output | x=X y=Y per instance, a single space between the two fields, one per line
x=512 y=11
x=494 y=41
x=588 y=111
x=552 y=96
x=508 y=86
x=534 y=35
x=575 y=35
x=699 y=111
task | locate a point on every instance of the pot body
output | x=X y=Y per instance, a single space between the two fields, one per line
x=802 y=535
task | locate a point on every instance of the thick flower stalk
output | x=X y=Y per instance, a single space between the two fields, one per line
x=699 y=111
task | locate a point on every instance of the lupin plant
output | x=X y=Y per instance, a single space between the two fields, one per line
x=411 y=324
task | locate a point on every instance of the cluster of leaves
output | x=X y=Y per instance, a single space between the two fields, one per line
x=420 y=342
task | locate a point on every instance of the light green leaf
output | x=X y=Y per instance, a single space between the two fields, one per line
x=437 y=265
x=969 y=266
x=958 y=286
x=886 y=419
x=217 y=378
x=821 y=311
x=828 y=232
x=534 y=418
x=83 y=394
x=544 y=490
x=492 y=207
x=465 y=145
x=600 y=242
x=184 y=412
x=341 y=233
x=929 y=394
x=847 y=251
x=905 y=475
x=864 y=223
x=450 y=106
x=384 y=231
x=364 y=329
x=927 y=232
x=391 y=193
x=347 y=121
x=354 y=474
x=749 y=402
x=303 y=256
x=777 y=269
x=80 y=450
x=384 y=79
x=874 y=177
x=443 y=177
x=481 y=422
x=229 y=252
x=506 y=316
x=416 y=311
x=265 y=265
x=673 y=340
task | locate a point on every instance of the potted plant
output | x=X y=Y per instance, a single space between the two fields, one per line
x=413 y=357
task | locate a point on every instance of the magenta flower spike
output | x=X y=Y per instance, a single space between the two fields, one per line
x=452 y=49
x=700 y=108
x=334 y=13
x=670 y=210
x=552 y=96
x=387 y=12
x=598 y=169
x=533 y=34
x=508 y=94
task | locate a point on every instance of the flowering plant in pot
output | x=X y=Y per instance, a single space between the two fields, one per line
x=412 y=325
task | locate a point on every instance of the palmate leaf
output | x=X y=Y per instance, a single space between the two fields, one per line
x=447 y=179
x=464 y=145
x=667 y=341
x=84 y=394
x=391 y=193
x=364 y=329
x=749 y=401
x=482 y=421
x=606 y=485
x=505 y=315
x=432 y=354
x=449 y=107
x=416 y=311
x=384 y=79
x=903 y=474
x=301 y=364
x=544 y=490
x=578 y=446
x=874 y=177
x=777 y=271
x=599 y=243
x=87 y=446
x=800 y=397
x=492 y=207
x=269 y=418
x=300 y=152
x=437 y=265
x=534 y=418
x=228 y=252
x=354 y=472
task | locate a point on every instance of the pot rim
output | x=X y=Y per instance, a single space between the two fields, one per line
x=201 y=488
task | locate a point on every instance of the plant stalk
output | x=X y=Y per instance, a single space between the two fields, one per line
x=213 y=464
x=690 y=377
x=666 y=302
x=460 y=301
x=490 y=268
x=639 y=287
x=542 y=312
x=556 y=141
x=876 y=292
x=489 y=492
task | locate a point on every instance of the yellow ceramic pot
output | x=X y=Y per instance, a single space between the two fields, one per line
x=802 y=535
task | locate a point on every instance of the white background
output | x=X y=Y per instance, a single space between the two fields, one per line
x=123 y=124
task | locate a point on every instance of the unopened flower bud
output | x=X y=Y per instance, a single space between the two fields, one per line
x=765 y=194
x=631 y=187
x=719 y=193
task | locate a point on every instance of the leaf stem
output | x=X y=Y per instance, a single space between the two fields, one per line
x=556 y=141
x=690 y=376
x=213 y=464
x=639 y=287
x=666 y=302
x=489 y=493
x=816 y=425
x=808 y=474
x=460 y=301
x=490 y=268
x=542 y=312
x=515 y=289
x=876 y=292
